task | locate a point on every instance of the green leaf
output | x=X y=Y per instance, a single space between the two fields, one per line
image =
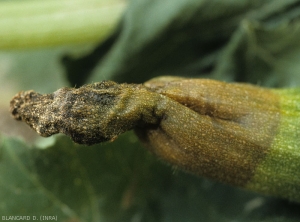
x=77 y=182
x=188 y=38
x=21 y=188
x=263 y=53
x=117 y=181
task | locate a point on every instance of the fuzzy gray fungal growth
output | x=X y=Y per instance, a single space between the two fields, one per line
x=90 y=114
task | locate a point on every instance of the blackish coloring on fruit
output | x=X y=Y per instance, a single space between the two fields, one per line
x=210 y=128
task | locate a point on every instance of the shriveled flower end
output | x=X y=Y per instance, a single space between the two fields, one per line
x=91 y=114
x=240 y=134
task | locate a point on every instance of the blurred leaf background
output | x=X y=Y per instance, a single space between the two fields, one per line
x=49 y=44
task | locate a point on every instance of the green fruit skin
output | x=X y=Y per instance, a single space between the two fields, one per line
x=279 y=172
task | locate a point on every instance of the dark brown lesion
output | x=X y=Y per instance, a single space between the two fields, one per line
x=226 y=135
